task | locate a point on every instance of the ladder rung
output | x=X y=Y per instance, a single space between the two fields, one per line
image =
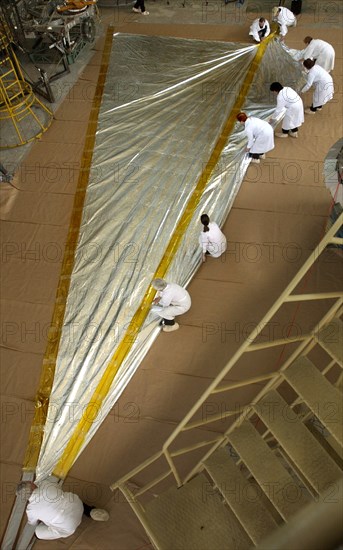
x=268 y=471
x=240 y=494
x=324 y=400
x=304 y=451
x=330 y=338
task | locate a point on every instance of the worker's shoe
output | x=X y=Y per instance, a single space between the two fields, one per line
x=99 y=515
x=262 y=156
x=145 y=13
x=310 y=112
x=293 y=134
x=256 y=161
x=136 y=10
x=171 y=328
x=281 y=135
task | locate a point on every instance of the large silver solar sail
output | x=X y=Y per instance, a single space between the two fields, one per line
x=165 y=103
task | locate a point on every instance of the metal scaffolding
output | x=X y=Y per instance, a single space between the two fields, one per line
x=23 y=115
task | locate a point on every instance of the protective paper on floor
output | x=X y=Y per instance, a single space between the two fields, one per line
x=165 y=103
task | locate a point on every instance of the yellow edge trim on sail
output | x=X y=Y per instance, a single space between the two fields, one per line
x=50 y=356
x=75 y=443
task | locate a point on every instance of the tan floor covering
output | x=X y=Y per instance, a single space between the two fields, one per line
x=283 y=201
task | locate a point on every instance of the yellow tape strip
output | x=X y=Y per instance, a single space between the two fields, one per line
x=49 y=361
x=77 y=439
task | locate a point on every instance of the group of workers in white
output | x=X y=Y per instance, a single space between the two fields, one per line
x=318 y=59
x=173 y=300
x=260 y=28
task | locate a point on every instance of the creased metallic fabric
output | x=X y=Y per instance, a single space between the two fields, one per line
x=164 y=105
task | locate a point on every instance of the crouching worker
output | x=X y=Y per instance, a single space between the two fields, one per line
x=290 y=103
x=260 y=136
x=212 y=240
x=59 y=512
x=285 y=18
x=259 y=29
x=171 y=300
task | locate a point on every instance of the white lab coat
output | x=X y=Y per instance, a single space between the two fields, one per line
x=255 y=28
x=213 y=241
x=291 y=102
x=285 y=19
x=174 y=300
x=60 y=512
x=322 y=83
x=260 y=135
x=322 y=52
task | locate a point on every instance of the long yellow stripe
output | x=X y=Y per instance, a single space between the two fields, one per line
x=76 y=441
x=54 y=336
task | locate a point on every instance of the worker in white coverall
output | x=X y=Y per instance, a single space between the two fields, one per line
x=59 y=512
x=322 y=83
x=171 y=300
x=321 y=51
x=260 y=136
x=290 y=102
x=284 y=18
x=212 y=240
x=259 y=29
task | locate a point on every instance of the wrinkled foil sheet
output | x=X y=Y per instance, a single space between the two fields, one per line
x=164 y=105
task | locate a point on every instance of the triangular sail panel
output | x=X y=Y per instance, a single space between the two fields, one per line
x=161 y=158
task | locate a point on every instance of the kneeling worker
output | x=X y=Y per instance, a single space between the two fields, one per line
x=259 y=29
x=60 y=513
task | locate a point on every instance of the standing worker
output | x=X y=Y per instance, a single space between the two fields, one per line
x=321 y=51
x=322 y=83
x=212 y=240
x=139 y=7
x=285 y=18
x=171 y=300
x=288 y=100
x=260 y=136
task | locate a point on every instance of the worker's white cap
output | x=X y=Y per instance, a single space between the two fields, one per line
x=159 y=284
